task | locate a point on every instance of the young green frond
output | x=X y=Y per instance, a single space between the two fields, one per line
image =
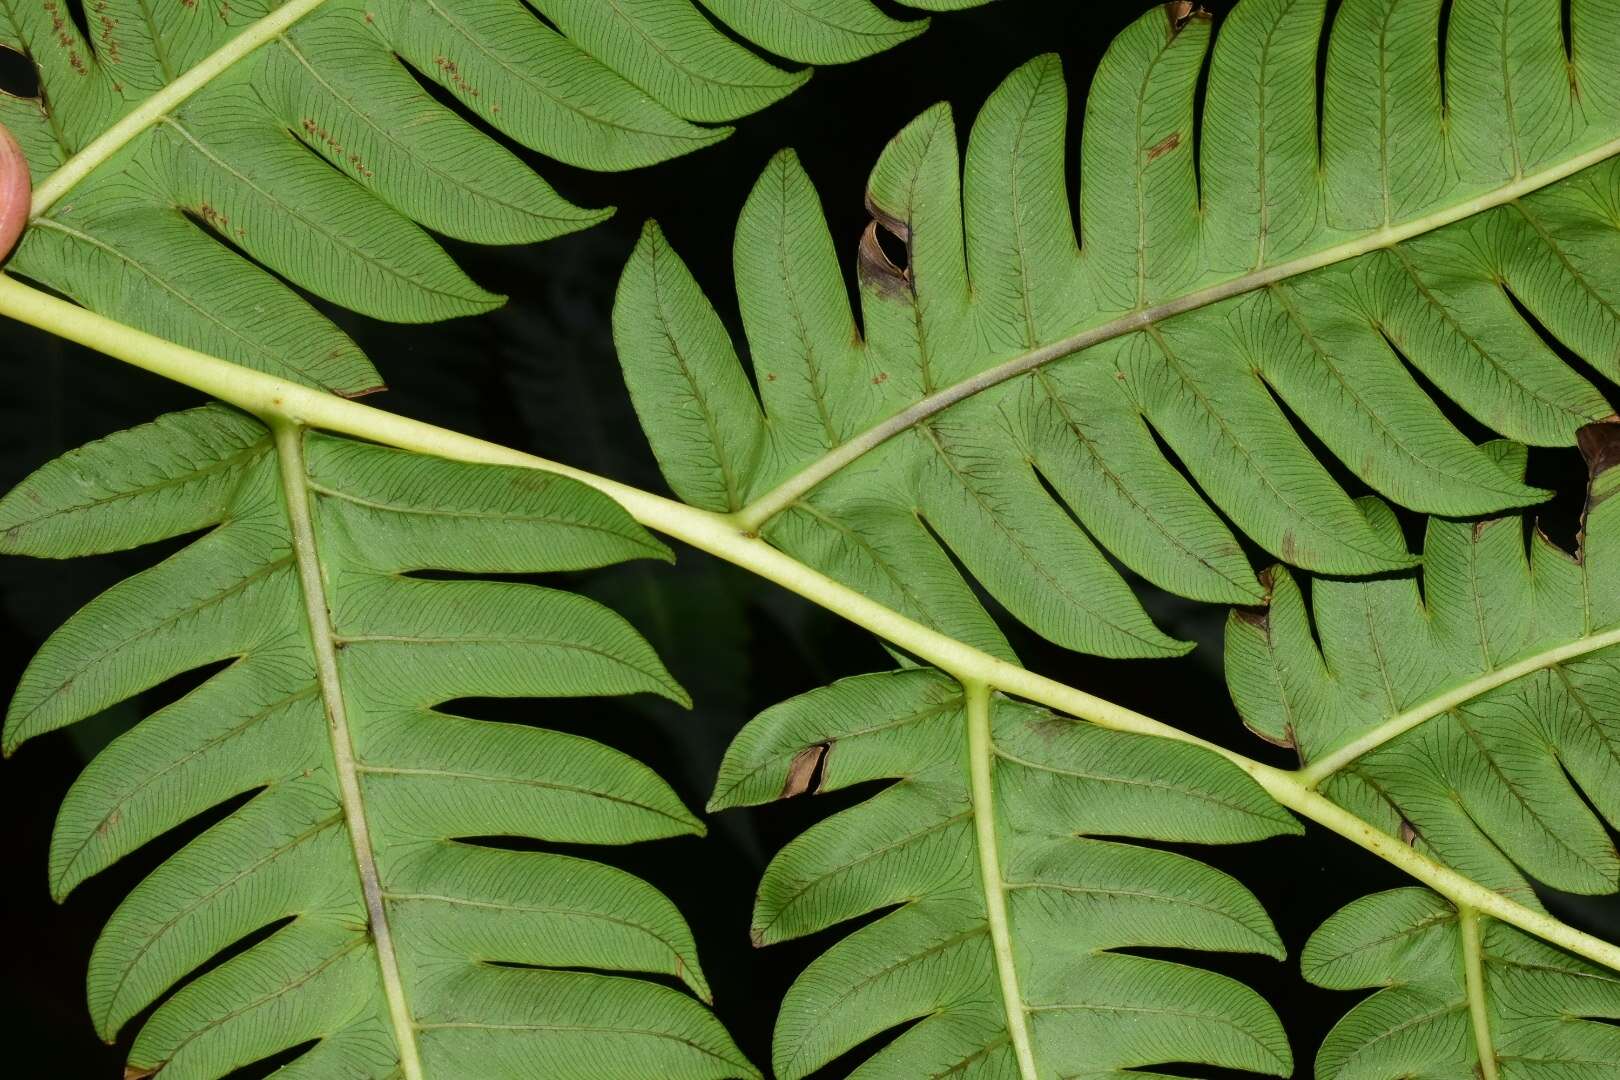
x=1021 y=402
x=1012 y=905
x=178 y=138
x=402 y=947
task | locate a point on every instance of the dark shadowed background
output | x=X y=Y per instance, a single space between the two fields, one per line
x=540 y=375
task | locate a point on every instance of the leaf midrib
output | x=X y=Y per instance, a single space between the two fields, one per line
x=767 y=505
x=294 y=480
x=1447 y=700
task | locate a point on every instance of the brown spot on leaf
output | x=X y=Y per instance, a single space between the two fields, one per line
x=108 y=24
x=64 y=36
x=1409 y=833
x=1164 y=145
x=1600 y=446
x=874 y=267
x=453 y=72
x=1180 y=13
x=804 y=773
x=897 y=226
x=1257 y=617
x=135 y=1072
x=214 y=218
x=880 y=378
x=1268 y=580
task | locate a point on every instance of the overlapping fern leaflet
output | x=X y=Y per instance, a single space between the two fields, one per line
x=1288 y=269
x=1471 y=713
x=1480 y=1002
x=322 y=159
x=1468 y=711
x=998 y=841
x=399 y=945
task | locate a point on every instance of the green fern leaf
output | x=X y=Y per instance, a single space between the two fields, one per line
x=401 y=947
x=319 y=157
x=1468 y=715
x=1011 y=905
x=1460 y=997
x=1022 y=402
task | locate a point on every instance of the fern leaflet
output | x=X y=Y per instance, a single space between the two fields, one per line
x=1021 y=403
x=1012 y=903
x=298 y=136
x=1459 y=996
x=401 y=945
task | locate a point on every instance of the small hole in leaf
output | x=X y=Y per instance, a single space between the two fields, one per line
x=18 y=76
x=893 y=248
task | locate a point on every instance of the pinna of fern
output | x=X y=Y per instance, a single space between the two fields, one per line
x=1462 y=713
x=393 y=942
x=1471 y=713
x=1004 y=378
x=1028 y=406
x=190 y=158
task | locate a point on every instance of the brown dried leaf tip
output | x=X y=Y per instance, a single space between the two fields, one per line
x=1259 y=615
x=1180 y=13
x=804 y=774
x=1600 y=445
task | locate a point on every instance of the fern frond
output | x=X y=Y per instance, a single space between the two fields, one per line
x=1022 y=402
x=319 y=157
x=1468 y=711
x=1012 y=905
x=401 y=946
x=1459 y=995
